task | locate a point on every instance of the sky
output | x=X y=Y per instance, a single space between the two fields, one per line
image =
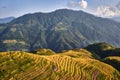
x=102 y=8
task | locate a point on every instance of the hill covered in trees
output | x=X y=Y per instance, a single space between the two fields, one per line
x=59 y=30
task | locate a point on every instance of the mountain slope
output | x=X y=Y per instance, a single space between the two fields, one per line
x=59 y=30
x=72 y=65
x=6 y=20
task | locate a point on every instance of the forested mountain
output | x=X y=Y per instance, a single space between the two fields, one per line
x=59 y=30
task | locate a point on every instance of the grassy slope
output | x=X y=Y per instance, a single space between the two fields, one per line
x=69 y=65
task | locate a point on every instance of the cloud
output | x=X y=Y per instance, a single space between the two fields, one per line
x=83 y=4
x=71 y=3
x=106 y=11
x=118 y=9
x=79 y=4
x=109 y=11
x=118 y=5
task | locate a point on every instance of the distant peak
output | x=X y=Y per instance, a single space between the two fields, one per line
x=68 y=10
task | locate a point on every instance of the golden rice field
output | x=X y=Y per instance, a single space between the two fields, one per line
x=67 y=65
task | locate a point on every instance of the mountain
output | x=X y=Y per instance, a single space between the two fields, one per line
x=116 y=19
x=6 y=20
x=58 y=30
x=45 y=64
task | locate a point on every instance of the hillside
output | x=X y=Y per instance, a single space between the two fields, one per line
x=114 y=61
x=58 y=30
x=6 y=20
x=68 y=65
x=103 y=49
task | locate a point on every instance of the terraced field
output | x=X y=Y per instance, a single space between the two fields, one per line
x=67 y=65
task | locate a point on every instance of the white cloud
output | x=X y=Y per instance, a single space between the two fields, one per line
x=106 y=11
x=78 y=4
x=83 y=4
